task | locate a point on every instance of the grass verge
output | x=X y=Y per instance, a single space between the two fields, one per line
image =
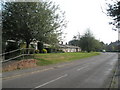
x=54 y=58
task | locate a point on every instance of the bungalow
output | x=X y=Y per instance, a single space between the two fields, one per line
x=64 y=48
x=61 y=47
x=69 y=48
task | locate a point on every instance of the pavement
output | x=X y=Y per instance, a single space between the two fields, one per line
x=115 y=82
x=93 y=72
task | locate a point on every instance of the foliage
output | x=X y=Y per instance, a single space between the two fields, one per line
x=60 y=51
x=74 y=42
x=26 y=21
x=22 y=45
x=113 y=46
x=31 y=51
x=11 y=46
x=87 y=42
x=103 y=45
x=114 y=12
x=49 y=50
x=44 y=51
x=97 y=45
x=3 y=46
x=37 y=51
x=40 y=46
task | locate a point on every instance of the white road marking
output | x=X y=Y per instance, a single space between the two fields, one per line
x=81 y=68
x=51 y=81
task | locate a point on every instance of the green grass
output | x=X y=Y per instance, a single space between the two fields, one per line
x=53 y=58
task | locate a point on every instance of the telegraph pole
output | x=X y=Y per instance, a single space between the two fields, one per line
x=119 y=54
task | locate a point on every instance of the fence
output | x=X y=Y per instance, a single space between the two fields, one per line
x=17 y=54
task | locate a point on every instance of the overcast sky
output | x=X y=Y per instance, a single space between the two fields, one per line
x=83 y=14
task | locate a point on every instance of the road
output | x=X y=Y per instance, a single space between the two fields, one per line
x=91 y=72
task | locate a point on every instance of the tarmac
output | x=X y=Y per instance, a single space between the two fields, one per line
x=21 y=72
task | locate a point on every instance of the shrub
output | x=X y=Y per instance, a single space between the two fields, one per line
x=61 y=51
x=44 y=51
x=22 y=45
x=11 y=46
x=37 y=51
x=31 y=51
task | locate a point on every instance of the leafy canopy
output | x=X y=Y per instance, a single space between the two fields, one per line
x=87 y=42
x=32 y=20
x=114 y=12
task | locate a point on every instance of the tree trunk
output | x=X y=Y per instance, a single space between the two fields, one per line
x=40 y=47
x=27 y=46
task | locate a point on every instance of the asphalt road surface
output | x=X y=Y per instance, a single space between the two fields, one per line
x=91 y=72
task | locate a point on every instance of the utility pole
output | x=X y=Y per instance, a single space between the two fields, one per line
x=118 y=54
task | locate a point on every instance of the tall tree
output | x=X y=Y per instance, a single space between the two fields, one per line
x=114 y=12
x=75 y=40
x=32 y=20
x=88 y=42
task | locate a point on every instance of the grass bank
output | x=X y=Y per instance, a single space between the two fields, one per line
x=53 y=58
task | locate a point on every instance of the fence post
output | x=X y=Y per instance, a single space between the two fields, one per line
x=34 y=54
x=3 y=57
x=23 y=53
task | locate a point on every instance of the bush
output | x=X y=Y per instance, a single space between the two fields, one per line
x=22 y=45
x=59 y=51
x=11 y=46
x=49 y=50
x=31 y=51
x=44 y=51
x=37 y=51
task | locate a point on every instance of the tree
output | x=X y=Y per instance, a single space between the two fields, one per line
x=89 y=43
x=40 y=46
x=75 y=41
x=97 y=45
x=114 y=12
x=102 y=45
x=32 y=20
x=113 y=46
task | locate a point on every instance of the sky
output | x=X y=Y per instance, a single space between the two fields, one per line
x=83 y=14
